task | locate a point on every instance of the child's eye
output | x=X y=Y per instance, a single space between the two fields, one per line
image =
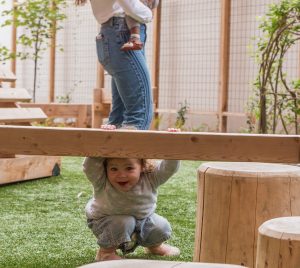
x=130 y=168
x=113 y=169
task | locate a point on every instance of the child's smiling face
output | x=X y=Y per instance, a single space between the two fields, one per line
x=124 y=173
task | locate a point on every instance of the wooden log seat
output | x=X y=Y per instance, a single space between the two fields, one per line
x=233 y=200
x=279 y=243
x=155 y=264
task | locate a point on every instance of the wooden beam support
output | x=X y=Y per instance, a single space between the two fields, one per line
x=13 y=62
x=224 y=63
x=52 y=58
x=149 y=144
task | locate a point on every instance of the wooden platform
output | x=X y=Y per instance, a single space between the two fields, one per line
x=19 y=168
x=14 y=95
x=23 y=168
x=80 y=112
x=6 y=75
x=21 y=115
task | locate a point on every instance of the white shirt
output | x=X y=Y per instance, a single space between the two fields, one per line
x=105 y=9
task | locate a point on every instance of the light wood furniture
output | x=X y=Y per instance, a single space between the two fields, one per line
x=19 y=167
x=149 y=144
x=6 y=75
x=101 y=106
x=234 y=199
x=156 y=264
x=279 y=243
x=80 y=112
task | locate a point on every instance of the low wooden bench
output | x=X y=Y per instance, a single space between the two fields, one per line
x=14 y=95
x=21 y=115
x=11 y=113
x=80 y=112
x=6 y=75
x=18 y=167
x=156 y=264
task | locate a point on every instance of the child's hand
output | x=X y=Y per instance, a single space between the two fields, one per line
x=108 y=127
x=170 y=129
x=80 y=2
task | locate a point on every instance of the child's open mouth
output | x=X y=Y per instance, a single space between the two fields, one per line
x=122 y=183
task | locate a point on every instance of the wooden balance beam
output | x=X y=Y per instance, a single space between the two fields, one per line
x=149 y=144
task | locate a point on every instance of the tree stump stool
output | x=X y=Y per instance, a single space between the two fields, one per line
x=233 y=200
x=278 y=243
x=155 y=264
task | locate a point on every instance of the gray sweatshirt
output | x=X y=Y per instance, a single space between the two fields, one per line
x=139 y=202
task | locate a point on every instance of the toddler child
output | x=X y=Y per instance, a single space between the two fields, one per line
x=121 y=213
x=135 y=42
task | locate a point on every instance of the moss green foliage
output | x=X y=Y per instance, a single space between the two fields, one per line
x=43 y=224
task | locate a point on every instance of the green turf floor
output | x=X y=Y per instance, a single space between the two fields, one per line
x=43 y=224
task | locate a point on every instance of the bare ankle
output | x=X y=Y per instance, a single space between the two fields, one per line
x=154 y=249
x=163 y=250
x=107 y=254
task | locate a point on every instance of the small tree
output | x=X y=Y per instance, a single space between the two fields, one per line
x=38 y=21
x=278 y=98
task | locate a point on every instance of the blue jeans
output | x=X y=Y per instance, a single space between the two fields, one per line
x=131 y=88
x=113 y=231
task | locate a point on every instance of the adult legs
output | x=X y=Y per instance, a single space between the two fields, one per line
x=131 y=88
x=116 y=116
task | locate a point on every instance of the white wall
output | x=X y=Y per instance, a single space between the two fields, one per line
x=5 y=33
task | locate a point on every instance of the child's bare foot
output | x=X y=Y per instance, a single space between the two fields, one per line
x=104 y=254
x=133 y=44
x=108 y=127
x=163 y=250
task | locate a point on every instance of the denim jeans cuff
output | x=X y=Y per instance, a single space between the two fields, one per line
x=115 y=243
x=158 y=242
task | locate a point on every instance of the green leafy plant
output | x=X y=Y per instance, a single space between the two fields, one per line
x=181 y=115
x=38 y=21
x=277 y=95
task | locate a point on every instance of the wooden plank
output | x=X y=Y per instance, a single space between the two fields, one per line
x=216 y=214
x=27 y=168
x=155 y=68
x=199 y=212
x=6 y=75
x=52 y=59
x=14 y=94
x=13 y=115
x=81 y=112
x=97 y=107
x=224 y=62
x=150 y=144
x=60 y=109
x=13 y=62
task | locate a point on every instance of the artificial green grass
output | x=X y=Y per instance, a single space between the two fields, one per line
x=43 y=224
